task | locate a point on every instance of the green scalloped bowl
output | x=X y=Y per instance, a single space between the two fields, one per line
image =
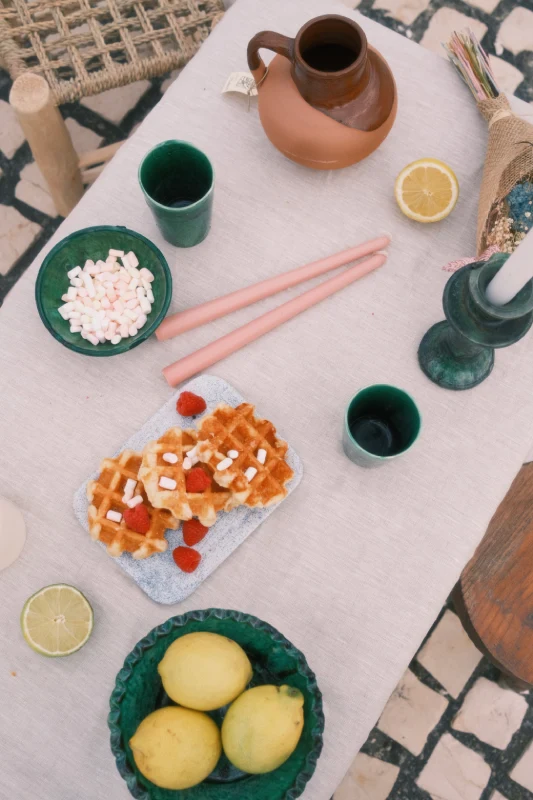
x=95 y=242
x=139 y=691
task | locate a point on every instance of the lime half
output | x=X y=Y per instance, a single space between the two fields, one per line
x=57 y=620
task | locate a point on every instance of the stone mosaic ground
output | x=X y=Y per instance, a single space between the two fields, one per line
x=452 y=730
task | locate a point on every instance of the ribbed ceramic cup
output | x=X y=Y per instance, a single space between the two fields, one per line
x=380 y=424
x=178 y=183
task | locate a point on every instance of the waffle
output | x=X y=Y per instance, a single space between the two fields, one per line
x=105 y=494
x=228 y=428
x=183 y=505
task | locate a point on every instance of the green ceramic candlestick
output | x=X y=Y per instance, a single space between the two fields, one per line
x=458 y=353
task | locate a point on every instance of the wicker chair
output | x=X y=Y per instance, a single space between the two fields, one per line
x=58 y=51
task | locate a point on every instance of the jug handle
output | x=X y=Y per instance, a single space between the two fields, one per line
x=283 y=45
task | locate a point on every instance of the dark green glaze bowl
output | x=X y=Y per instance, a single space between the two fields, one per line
x=139 y=691
x=95 y=243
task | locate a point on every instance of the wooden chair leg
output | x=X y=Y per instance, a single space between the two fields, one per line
x=49 y=140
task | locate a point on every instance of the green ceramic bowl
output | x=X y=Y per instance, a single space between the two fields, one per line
x=95 y=243
x=139 y=691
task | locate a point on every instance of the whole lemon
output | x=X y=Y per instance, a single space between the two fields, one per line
x=263 y=727
x=204 y=671
x=176 y=748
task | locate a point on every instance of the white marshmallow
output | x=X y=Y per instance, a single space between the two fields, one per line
x=132 y=258
x=129 y=488
x=170 y=458
x=261 y=455
x=250 y=473
x=146 y=275
x=224 y=464
x=150 y=296
x=167 y=483
x=187 y=464
x=134 y=501
x=114 y=516
x=233 y=454
x=89 y=285
x=193 y=458
x=103 y=301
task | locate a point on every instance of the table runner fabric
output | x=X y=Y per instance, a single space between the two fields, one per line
x=354 y=567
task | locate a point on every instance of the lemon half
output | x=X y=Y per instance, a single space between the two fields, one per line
x=426 y=190
x=57 y=620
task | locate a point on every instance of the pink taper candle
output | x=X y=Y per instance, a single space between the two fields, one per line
x=211 y=353
x=213 y=309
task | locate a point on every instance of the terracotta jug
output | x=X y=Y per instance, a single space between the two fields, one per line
x=328 y=99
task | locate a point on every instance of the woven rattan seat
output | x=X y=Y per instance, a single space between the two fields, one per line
x=83 y=47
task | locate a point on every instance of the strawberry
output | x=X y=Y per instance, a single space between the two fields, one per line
x=186 y=558
x=197 y=481
x=193 y=532
x=190 y=404
x=137 y=519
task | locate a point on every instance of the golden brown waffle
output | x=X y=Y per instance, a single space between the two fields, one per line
x=105 y=494
x=227 y=429
x=184 y=505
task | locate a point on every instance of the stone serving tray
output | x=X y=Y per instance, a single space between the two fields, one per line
x=158 y=576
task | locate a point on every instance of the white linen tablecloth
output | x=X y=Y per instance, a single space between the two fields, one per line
x=354 y=567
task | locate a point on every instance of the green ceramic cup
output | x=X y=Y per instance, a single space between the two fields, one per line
x=178 y=183
x=380 y=424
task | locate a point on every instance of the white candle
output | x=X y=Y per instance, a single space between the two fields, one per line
x=513 y=276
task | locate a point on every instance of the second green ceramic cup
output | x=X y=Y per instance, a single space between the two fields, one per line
x=178 y=182
x=380 y=424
